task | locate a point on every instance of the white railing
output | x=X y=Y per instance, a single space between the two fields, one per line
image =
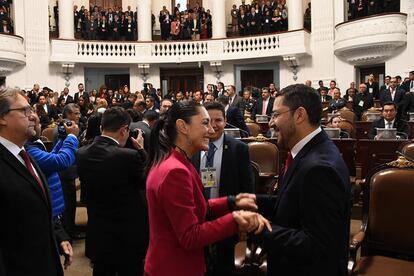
x=371 y=39
x=72 y=51
x=12 y=52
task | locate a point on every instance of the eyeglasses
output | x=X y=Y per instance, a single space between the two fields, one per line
x=27 y=110
x=277 y=114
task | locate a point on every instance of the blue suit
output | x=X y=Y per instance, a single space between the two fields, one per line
x=310 y=214
x=234 y=117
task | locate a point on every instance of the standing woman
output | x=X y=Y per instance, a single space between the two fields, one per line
x=176 y=205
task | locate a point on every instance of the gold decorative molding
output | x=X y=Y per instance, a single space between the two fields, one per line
x=401 y=163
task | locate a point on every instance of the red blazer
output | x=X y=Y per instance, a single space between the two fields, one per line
x=177 y=211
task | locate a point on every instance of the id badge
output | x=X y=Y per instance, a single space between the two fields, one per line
x=361 y=103
x=208 y=177
x=370 y=90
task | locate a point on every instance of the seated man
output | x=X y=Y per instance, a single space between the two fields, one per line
x=337 y=102
x=389 y=120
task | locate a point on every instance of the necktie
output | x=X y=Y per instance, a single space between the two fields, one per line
x=389 y=125
x=264 y=108
x=412 y=86
x=288 y=161
x=29 y=166
x=210 y=155
x=230 y=100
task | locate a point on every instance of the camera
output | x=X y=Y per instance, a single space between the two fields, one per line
x=133 y=133
x=61 y=128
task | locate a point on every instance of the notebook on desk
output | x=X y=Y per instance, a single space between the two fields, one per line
x=233 y=132
x=333 y=132
x=386 y=133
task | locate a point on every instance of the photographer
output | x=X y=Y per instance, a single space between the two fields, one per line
x=117 y=234
x=60 y=158
x=70 y=115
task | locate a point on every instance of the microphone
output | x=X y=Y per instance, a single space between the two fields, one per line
x=405 y=156
x=242 y=130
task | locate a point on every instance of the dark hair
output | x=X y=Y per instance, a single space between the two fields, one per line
x=333 y=81
x=215 y=106
x=164 y=133
x=151 y=115
x=114 y=118
x=411 y=72
x=388 y=76
x=398 y=77
x=69 y=109
x=93 y=127
x=300 y=95
x=390 y=103
x=223 y=100
x=136 y=116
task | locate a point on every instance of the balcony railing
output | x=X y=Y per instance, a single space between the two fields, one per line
x=371 y=39
x=12 y=52
x=73 y=51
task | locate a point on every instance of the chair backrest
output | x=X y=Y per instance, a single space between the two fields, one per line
x=348 y=115
x=254 y=129
x=389 y=209
x=48 y=133
x=408 y=150
x=348 y=127
x=266 y=155
x=370 y=115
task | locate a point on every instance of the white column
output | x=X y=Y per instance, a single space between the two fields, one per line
x=339 y=7
x=218 y=18
x=144 y=20
x=295 y=14
x=66 y=24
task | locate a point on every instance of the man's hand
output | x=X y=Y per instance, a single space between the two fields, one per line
x=250 y=221
x=67 y=252
x=245 y=201
x=73 y=129
x=138 y=143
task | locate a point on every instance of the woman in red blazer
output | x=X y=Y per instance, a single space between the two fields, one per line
x=176 y=205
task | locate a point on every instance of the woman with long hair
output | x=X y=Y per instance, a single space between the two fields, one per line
x=176 y=205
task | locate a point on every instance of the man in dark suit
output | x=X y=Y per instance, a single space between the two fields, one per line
x=234 y=99
x=229 y=162
x=148 y=122
x=362 y=101
x=66 y=98
x=49 y=110
x=390 y=120
x=264 y=104
x=408 y=85
x=234 y=117
x=117 y=234
x=392 y=94
x=81 y=92
x=29 y=239
x=310 y=212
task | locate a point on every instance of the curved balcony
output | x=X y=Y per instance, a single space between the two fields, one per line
x=281 y=44
x=12 y=53
x=371 y=39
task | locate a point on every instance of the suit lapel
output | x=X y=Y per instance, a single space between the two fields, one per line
x=292 y=168
x=22 y=170
x=225 y=159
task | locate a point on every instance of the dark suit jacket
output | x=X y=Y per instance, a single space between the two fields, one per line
x=385 y=96
x=374 y=88
x=76 y=98
x=147 y=132
x=117 y=215
x=235 y=118
x=28 y=237
x=236 y=176
x=408 y=104
x=310 y=214
x=69 y=99
x=401 y=126
x=368 y=102
x=259 y=106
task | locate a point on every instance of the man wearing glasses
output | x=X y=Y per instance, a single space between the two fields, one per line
x=28 y=238
x=117 y=234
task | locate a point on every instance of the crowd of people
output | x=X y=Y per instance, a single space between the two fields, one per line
x=361 y=8
x=5 y=19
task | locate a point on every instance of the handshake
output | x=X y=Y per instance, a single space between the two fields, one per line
x=247 y=217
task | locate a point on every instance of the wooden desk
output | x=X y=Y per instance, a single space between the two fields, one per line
x=362 y=129
x=411 y=124
x=371 y=153
x=347 y=148
x=264 y=127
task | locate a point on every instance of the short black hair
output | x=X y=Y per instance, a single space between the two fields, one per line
x=114 y=118
x=215 y=106
x=390 y=103
x=151 y=115
x=223 y=100
x=136 y=116
x=300 y=95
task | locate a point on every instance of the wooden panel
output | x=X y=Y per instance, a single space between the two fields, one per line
x=106 y=4
x=256 y=78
